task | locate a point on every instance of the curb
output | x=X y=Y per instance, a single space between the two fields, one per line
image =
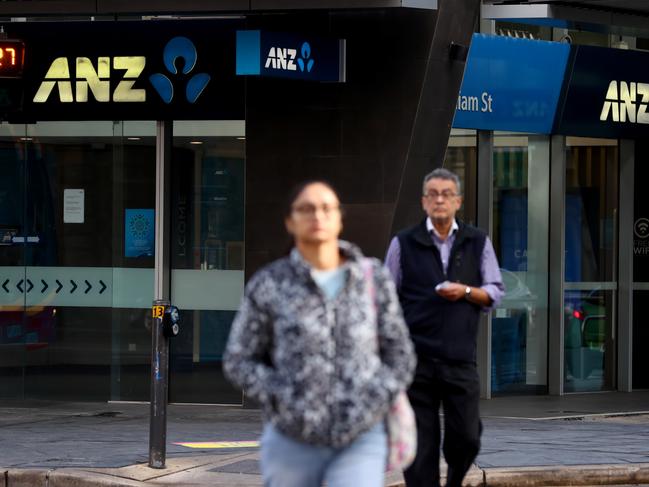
x=573 y=475
x=567 y=475
x=62 y=478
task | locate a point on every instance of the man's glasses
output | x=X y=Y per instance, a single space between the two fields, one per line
x=308 y=211
x=445 y=195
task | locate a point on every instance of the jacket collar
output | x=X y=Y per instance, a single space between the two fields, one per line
x=353 y=258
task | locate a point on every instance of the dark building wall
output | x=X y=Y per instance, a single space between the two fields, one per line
x=354 y=135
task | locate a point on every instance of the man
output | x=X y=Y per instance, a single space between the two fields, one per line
x=446 y=272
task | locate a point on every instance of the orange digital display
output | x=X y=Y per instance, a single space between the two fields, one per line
x=12 y=57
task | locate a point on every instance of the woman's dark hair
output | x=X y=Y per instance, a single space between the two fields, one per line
x=297 y=190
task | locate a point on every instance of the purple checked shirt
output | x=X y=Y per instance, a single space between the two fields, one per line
x=492 y=281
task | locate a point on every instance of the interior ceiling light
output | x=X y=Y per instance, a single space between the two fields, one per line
x=196 y=142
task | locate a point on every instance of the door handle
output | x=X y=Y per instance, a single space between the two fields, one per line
x=28 y=239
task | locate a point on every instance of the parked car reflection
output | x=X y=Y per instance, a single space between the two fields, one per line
x=585 y=334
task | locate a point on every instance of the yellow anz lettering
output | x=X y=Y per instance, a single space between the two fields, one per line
x=97 y=81
x=134 y=65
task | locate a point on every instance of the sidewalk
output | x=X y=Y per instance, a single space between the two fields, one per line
x=597 y=439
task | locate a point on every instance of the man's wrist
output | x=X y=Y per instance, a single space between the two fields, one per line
x=467 y=292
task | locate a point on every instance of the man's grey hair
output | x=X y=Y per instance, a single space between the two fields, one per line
x=441 y=173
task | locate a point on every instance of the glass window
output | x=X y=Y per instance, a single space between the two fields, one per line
x=520 y=237
x=462 y=158
x=80 y=271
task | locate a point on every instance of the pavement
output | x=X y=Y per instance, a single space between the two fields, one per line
x=581 y=439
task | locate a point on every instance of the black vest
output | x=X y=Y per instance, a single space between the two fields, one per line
x=440 y=328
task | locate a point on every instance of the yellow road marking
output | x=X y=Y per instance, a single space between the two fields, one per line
x=220 y=444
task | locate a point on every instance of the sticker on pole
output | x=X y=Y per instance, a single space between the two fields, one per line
x=220 y=444
x=158 y=311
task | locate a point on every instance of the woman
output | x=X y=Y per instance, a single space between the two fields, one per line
x=324 y=349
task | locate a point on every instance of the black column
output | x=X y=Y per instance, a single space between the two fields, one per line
x=455 y=25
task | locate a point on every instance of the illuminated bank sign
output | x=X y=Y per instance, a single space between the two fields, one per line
x=511 y=84
x=92 y=80
x=294 y=56
x=626 y=102
x=150 y=71
x=606 y=94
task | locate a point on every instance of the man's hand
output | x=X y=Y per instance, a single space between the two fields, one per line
x=452 y=291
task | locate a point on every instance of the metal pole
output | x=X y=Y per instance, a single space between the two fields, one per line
x=159 y=388
x=160 y=343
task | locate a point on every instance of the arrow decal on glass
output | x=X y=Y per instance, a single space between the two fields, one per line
x=103 y=286
x=74 y=286
x=20 y=286
x=4 y=286
x=88 y=288
x=59 y=287
x=30 y=284
x=45 y=286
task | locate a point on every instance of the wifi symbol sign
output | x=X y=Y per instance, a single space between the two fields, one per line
x=641 y=228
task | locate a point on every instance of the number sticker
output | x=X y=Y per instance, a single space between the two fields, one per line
x=158 y=311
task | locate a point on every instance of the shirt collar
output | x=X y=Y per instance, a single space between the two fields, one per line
x=433 y=231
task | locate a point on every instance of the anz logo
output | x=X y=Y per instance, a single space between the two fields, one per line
x=88 y=78
x=179 y=48
x=626 y=101
x=286 y=59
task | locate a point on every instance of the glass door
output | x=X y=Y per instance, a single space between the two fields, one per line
x=521 y=196
x=207 y=255
x=590 y=275
x=16 y=328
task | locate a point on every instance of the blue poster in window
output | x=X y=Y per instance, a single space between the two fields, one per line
x=139 y=226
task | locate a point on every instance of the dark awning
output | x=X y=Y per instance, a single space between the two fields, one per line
x=149 y=7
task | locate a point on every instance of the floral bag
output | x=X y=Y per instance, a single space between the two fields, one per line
x=400 y=420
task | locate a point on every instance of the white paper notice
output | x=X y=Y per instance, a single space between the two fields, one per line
x=73 y=205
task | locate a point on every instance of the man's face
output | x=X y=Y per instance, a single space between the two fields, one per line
x=441 y=200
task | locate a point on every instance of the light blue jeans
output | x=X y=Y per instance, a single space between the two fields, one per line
x=289 y=463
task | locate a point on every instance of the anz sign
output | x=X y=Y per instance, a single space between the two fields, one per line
x=271 y=54
x=626 y=102
x=606 y=93
x=286 y=59
x=96 y=78
x=136 y=70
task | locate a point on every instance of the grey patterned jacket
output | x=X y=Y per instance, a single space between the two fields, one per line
x=330 y=378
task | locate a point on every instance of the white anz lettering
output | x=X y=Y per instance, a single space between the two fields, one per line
x=292 y=54
x=98 y=80
x=271 y=60
x=281 y=58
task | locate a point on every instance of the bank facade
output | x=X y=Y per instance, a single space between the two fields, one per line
x=99 y=100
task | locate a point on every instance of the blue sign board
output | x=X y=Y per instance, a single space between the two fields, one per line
x=511 y=84
x=139 y=236
x=293 y=56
